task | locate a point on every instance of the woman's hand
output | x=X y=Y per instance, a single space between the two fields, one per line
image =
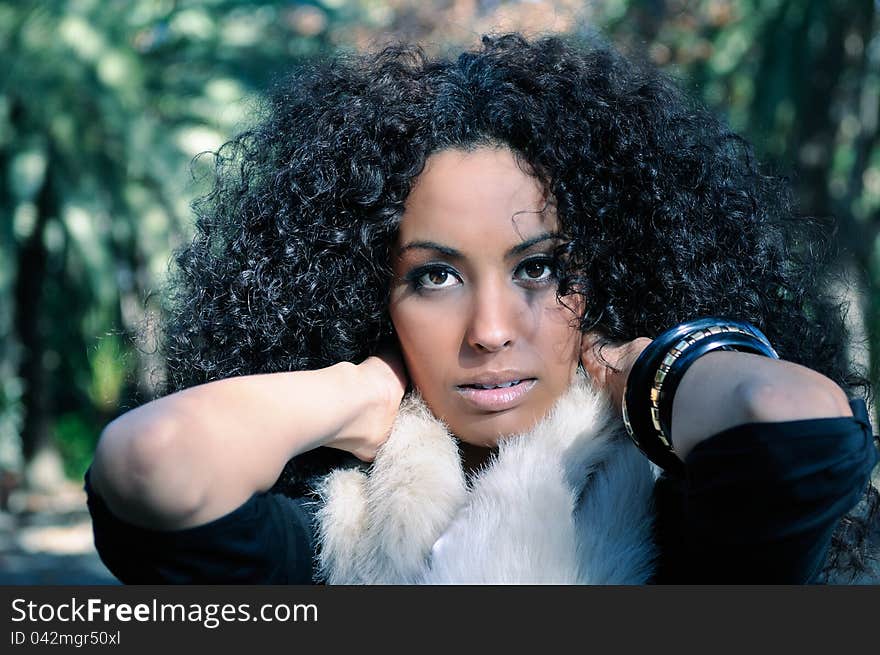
x=608 y=364
x=383 y=378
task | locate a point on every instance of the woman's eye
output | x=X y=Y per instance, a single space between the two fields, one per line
x=437 y=278
x=537 y=270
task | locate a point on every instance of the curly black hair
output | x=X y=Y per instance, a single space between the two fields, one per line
x=668 y=215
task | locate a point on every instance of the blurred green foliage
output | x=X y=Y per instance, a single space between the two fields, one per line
x=104 y=104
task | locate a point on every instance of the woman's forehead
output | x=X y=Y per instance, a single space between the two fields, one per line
x=480 y=198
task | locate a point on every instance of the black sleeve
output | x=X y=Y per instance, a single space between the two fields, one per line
x=267 y=540
x=759 y=502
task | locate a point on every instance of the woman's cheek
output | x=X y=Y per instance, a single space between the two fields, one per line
x=427 y=337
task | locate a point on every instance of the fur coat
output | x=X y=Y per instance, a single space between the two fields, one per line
x=568 y=502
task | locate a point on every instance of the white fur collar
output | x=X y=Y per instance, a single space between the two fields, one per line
x=569 y=502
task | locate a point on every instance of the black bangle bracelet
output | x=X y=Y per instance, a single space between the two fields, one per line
x=647 y=401
x=678 y=366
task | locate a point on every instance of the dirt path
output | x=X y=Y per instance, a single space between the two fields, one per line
x=47 y=540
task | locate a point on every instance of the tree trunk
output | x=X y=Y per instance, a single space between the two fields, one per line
x=29 y=284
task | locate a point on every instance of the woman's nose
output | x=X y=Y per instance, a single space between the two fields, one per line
x=492 y=325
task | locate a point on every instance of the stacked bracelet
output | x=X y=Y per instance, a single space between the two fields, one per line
x=656 y=374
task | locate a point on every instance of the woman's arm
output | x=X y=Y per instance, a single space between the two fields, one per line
x=767 y=476
x=722 y=389
x=196 y=455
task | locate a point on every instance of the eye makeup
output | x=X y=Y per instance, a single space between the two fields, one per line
x=417 y=277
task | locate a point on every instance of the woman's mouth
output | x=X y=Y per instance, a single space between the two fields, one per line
x=495 y=398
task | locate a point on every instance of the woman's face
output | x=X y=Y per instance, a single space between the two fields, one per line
x=473 y=300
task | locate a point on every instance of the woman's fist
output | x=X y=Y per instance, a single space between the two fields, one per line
x=382 y=380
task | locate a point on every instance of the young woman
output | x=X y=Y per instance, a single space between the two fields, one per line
x=427 y=301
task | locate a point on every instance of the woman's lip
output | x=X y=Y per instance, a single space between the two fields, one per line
x=495 y=400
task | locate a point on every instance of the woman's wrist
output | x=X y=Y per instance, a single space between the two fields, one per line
x=350 y=400
x=342 y=400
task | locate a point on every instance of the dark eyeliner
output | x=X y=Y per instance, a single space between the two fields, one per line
x=412 y=277
x=547 y=260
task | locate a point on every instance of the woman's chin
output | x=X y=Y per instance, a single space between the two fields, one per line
x=488 y=432
x=482 y=429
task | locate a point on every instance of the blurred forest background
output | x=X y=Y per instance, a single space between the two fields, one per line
x=105 y=103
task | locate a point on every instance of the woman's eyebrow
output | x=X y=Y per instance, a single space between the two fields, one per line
x=452 y=253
